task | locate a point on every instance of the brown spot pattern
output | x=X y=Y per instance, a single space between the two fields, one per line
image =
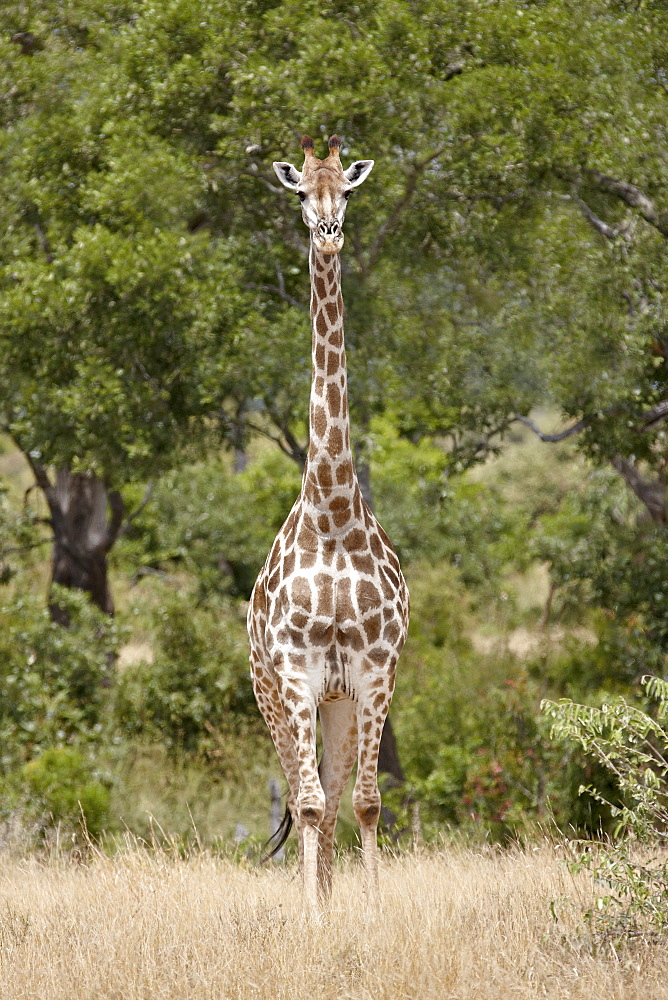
x=368 y=597
x=335 y=442
x=301 y=593
x=363 y=564
x=333 y=398
x=392 y=633
x=388 y=590
x=355 y=540
x=344 y=602
x=274 y=559
x=321 y=635
x=341 y=517
x=332 y=311
x=344 y=474
x=289 y=563
x=372 y=628
x=307 y=539
x=328 y=550
x=325 y=588
x=325 y=475
x=320 y=421
x=376 y=546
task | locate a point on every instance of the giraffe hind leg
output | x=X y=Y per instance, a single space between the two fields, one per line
x=338 y=721
x=366 y=794
x=274 y=716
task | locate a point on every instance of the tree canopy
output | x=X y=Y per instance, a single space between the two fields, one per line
x=507 y=253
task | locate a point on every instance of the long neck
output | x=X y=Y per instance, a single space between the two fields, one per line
x=330 y=472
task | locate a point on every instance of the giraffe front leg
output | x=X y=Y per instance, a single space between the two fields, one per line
x=300 y=709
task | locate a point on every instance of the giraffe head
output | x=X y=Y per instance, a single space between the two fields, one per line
x=324 y=187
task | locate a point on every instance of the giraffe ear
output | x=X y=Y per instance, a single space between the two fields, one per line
x=358 y=172
x=288 y=175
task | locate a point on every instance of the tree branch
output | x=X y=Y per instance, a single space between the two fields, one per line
x=610 y=232
x=114 y=526
x=24 y=548
x=277 y=290
x=296 y=452
x=48 y=489
x=258 y=177
x=291 y=453
x=633 y=196
x=411 y=184
x=135 y=513
x=553 y=438
x=648 y=419
x=44 y=242
x=151 y=571
x=655 y=415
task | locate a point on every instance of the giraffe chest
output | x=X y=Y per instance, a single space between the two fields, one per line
x=338 y=610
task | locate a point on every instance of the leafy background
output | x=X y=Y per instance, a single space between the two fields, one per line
x=504 y=274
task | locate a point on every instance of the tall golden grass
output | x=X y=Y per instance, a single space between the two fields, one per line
x=457 y=923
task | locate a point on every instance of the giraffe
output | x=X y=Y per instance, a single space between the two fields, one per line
x=329 y=611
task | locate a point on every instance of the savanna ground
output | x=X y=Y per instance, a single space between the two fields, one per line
x=453 y=923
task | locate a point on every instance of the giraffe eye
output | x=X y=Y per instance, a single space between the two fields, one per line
x=347 y=194
x=302 y=196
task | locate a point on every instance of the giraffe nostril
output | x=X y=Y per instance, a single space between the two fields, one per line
x=329 y=228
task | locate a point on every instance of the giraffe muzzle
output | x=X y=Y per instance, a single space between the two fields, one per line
x=328 y=236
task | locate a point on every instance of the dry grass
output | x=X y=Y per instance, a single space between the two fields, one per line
x=457 y=924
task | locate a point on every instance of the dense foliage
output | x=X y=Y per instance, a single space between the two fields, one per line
x=506 y=254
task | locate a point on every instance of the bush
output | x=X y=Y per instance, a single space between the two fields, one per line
x=65 y=789
x=632 y=746
x=54 y=681
x=215 y=524
x=473 y=742
x=198 y=684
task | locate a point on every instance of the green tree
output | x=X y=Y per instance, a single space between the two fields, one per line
x=108 y=353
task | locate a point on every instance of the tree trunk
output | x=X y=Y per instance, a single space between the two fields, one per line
x=239 y=439
x=388 y=755
x=363 y=469
x=86 y=520
x=651 y=493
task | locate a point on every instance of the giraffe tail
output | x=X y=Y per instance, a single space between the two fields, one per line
x=279 y=837
x=282 y=833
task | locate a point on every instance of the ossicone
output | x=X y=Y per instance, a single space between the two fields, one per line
x=306 y=143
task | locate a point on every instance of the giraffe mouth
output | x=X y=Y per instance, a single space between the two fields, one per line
x=329 y=243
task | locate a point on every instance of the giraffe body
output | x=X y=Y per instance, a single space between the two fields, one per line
x=329 y=611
